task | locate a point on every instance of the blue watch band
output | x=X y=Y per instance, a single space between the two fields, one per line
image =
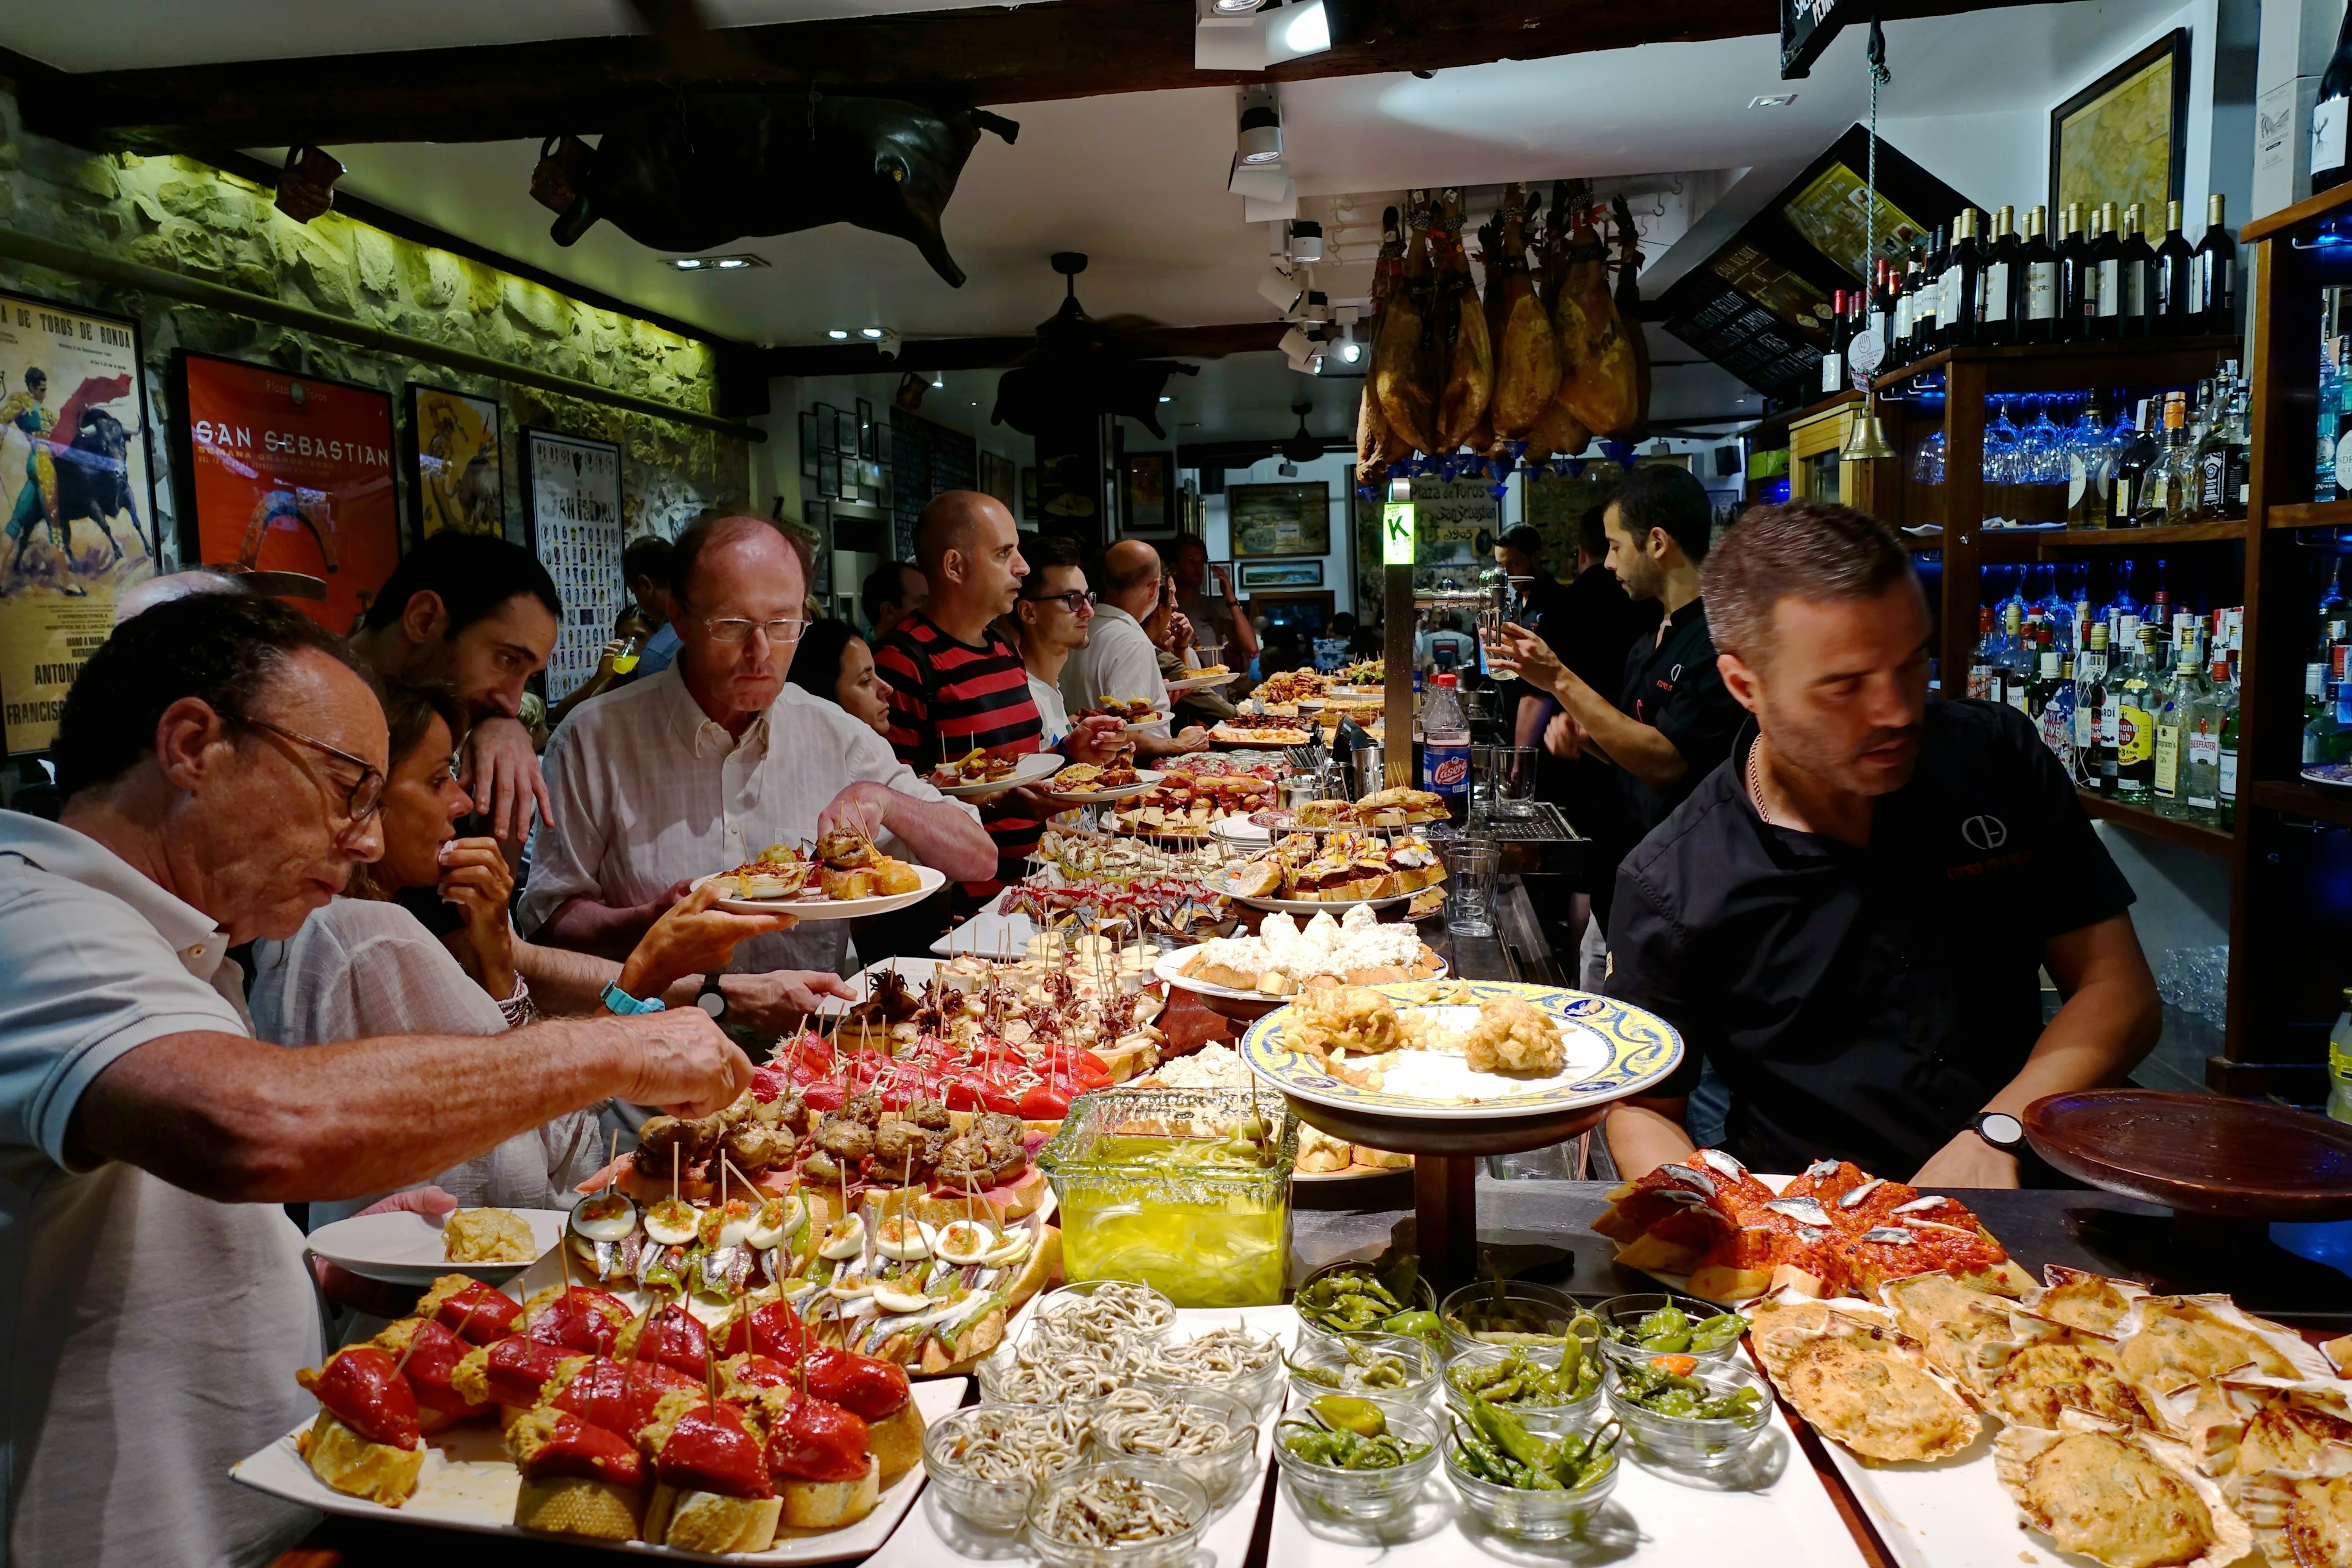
x=620 y=1000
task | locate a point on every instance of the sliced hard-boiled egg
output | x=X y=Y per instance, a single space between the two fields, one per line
x=734 y=1223
x=1016 y=1246
x=844 y=1238
x=607 y=1216
x=902 y=1240
x=897 y=1299
x=966 y=1241
x=777 y=1219
x=672 y=1222
x=850 y=1288
x=794 y=1289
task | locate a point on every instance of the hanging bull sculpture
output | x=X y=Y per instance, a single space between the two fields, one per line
x=697 y=172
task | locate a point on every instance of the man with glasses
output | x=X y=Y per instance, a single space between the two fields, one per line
x=700 y=768
x=222 y=759
x=1118 y=660
x=1053 y=617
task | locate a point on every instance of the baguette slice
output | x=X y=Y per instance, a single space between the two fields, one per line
x=357 y=1467
x=896 y=1442
x=828 y=1505
x=578 y=1505
x=705 y=1522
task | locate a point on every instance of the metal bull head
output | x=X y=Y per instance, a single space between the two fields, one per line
x=697 y=172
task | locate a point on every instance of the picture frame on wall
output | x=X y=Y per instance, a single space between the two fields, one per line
x=1281 y=574
x=828 y=475
x=844 y=433
x=1280 y=519
x=998 y=478
x=572 y=485
x=1146 y=493
x=458 y=481
x=869 y=438
x=808 y=443
x=2124 y=138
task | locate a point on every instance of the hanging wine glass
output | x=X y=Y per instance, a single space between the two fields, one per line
x=2000 y=447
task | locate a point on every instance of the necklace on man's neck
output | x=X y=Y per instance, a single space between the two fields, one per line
x=1756 y=780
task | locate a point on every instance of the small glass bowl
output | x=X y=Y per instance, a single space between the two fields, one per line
x=1261 y=1389
x=1174 y=1490
x=1367 y=1494
x=1330 y=1353
x=1219 y=1473
x=1062 y=1296
x=1625 y=1311
x=1530 y=1515
x=992 y=1505
x=994 y=1373
x=1424 y=1300
x=1546 y=1311
x=1545 y=1420
x=1685 y=1442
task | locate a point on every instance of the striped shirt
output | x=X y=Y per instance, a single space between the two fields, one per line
x=948 y=698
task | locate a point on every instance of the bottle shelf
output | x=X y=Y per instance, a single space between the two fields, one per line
x=2122 y=359
x=2296 y=798
x=2141 y=819
x=2309 y=514
x=2008 y=543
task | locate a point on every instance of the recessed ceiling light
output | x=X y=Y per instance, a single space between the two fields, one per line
x=1773 y=100
x=872 y=334
x=836 y=333
x=715 y=263
x=1165 y=398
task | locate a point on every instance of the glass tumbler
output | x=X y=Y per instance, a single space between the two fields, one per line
x=1471 y=865
x=1515 y=781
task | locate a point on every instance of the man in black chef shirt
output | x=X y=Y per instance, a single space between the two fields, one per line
x=1846 y=919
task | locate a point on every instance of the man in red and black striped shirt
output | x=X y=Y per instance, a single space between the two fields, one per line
x=956 y=685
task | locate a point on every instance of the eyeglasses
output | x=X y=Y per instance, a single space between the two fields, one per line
x=734 y=629
x=362 y=798
x=1069 y=600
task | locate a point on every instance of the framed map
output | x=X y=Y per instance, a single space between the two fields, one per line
x=1280 y=519
x=2123 y=138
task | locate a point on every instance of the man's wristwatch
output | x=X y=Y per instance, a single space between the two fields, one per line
x=622 y=1002
x=710 y=999
x=2002 y=1131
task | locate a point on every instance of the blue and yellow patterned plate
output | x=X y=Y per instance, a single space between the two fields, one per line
x=1612 y=1051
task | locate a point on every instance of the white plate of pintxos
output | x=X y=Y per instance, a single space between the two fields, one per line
x=1203 y=679
x=406 y=1248
x=1081 y=783
x=845 y=878
x=977 y=773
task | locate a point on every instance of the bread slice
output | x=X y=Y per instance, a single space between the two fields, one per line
x=829 y=1505
x=706 y=1521
x=1730 y=1282
x=1365 y=1155
x=577 y=1505
x=1258 y=879
x=896 y=1443
x=357 y=1467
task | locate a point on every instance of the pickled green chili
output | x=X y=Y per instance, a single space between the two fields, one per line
x=1366 y=1369
x=1519 y=1378
x=1345 y=1435
x=1663 y=1391
x=1670 y=1330
x=1492 y=1445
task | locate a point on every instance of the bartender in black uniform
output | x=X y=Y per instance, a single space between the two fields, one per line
x=1672 y=721
x=1847 y=919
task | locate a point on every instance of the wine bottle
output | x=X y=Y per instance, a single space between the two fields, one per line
x=1963 y=279
x=2107 y=276
x=1906 y=294
x=1998 y=297
x=2037 y=316
x=1833 y=357
x=2329 y=163
x=2076 y=305
x=2139 y=275
x=2140 y=454
x=2215 y=265
x=2176 y=304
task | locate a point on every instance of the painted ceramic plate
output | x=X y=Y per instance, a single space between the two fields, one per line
x=1613 y=1050
x=932 y=880
x=2334 y=775
x=1036 y=765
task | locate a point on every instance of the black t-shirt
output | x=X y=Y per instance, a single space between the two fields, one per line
x=1672 y=685
x=1591 y=623
x=1864 y=1003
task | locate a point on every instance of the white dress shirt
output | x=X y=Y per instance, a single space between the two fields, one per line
x=152 y=1336
x=1119 y=661
x=1051 y=714
x=649 y=791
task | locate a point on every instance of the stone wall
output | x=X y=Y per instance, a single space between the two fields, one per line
x=181 y=215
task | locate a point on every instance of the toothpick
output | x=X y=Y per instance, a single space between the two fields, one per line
x=414 y=1334
x=673 y=1173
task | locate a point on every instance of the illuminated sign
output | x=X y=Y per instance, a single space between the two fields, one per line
x=1396 y=533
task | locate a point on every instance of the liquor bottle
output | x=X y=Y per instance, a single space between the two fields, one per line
x=2086 y=481
x=2203 y=726
x=2105 y=288
x=2216 y=461
x=1833 y=357
x=2331 y=399
x=2090 y=697
x=2037 y=307
x=1996 y=296
x=2226 y=784
x=2150 y=495
x=2133 y=464
x=1882 y=310
x=2178 y=698
x=2216 y=273
x=2136 y=721
x=1928 y=309
x=2175 y=307
x=2181 y=478
x=2323 y=736
x=2076 y=303
x=1980 y=661
x=2136 y=273
x=2329 y=162
x=2054 y=702
x=1963 y=283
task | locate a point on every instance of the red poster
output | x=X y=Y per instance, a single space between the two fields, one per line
x=290 y=474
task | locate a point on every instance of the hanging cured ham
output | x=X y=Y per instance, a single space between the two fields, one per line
x=1557 y=432
x=1406 y=374
x=1526 y=355
x=1458 y=326
x=1600 y=378
x=1629 y=303
x=1373 y=439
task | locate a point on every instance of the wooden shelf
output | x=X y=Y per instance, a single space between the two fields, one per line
x=2300 y=799
x=2017 y=540
x=2302 y=212
x=2141 y=819
x=2309 y=514
x=2087 y=359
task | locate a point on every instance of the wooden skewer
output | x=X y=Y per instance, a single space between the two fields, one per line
x=612 y=1163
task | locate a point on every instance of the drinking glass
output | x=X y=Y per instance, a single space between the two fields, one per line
x=1928 y=463
x=2045 y=444
x=2000 y=448
x=1482 y=783
x=1471 y=865
x=1515 y=780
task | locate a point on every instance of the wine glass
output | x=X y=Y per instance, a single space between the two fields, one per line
x=2000 y=447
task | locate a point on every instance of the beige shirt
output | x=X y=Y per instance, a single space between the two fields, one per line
x=1119 y=661
x=152 y=1336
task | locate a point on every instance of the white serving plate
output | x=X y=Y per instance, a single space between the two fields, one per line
x=1768 y=1512
x=989 y=934
x=403 y=1248
x=1948 y=1514
x=931 y=878
x=1036 y=765
x=1166 y=969
x=468 y=1484
x=1144 y=779
x=1337 y=907
x=1202 y=682
x=1259 y=742
x=934 y=1534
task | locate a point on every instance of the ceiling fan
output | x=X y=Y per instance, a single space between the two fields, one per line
x=1302 y=447
x=1081 y=370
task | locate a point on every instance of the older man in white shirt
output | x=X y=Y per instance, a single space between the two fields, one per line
x=1120 y=660
x=710 y=761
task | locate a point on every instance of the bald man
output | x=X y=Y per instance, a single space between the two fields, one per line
x=1119 y=662
x=957 y=686
x=174 y=585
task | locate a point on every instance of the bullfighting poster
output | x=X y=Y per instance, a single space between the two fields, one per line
x=282 y=472
x=574 y=486
x=456 y=483
x=75 y=486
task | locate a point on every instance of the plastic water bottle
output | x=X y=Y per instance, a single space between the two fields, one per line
x=2339 y=1064
x=1445 y=747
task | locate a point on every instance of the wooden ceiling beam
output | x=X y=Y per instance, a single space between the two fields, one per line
x=998 y=353
x=988 y=54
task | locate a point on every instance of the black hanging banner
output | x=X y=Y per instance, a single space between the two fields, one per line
x=1806 y=28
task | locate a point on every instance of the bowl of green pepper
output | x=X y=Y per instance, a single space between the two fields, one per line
x=1506 y=1312
x=1523 y=1484
x=1688 y=1413
x=1549 y=1388
x=1357 y=1299
x=1356 y=1458
x=1382 y=1366
x=1653 y=1323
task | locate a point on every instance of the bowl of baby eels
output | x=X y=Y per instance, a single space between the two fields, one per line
x=1552 y=1387
x=1354 y=1299
x=1107 y=1310
x=1383 y=1366
x=1688 y=1413
x=1210 y=1437
x=1238 y=1359
x=1523 y=1484
x=1506 y=1312
x=1635 y=1327
x=987 y=1461
x=1125 y=1513
x=1356 y=1458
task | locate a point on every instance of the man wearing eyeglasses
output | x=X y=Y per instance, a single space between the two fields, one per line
x=1053 y=619
x=222 y=762
x=700 y=768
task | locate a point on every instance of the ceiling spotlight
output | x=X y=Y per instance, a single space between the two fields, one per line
x=1286 y=469
x=1347 y=349
x=871 y=334
x=836 y=333
x=687 y=263
x=1235 y=7
x=1305 y=30
x=1261 y=126
x=1165 y=398
x=1279 y=288
x=1773 y=100
x=886 y=343
x=1316 y=307
x=1229 y=34
x=1306 y=240
x=715 y=263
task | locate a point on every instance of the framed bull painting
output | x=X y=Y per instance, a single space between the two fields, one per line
x=458 y=482
x=77 y=486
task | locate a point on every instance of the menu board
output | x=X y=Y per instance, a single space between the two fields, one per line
x=75 y=487
x=574 y=486
x=288 y=473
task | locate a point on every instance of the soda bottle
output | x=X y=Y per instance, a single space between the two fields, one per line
x=1445 y=747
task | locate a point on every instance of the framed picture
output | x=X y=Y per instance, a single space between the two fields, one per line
x=828 y=475
x=997 y=477
x=1147 y=492
x=2123 y=139
x=844 y=433
x=1281 y=574
x=1280 y=519
x=808 y=443
x=78 y=377
x=1028 y=495
x=573 y=485
x=459 y=482
x=282 y=472
x=869 y=438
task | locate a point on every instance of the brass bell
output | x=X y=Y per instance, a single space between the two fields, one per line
x=1865 y=438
